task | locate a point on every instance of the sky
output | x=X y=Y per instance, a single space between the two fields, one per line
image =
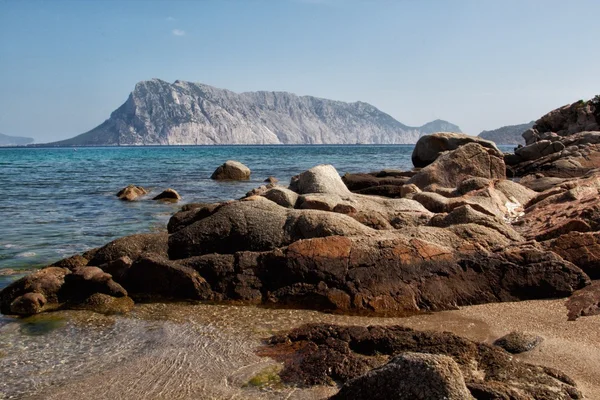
x=481 y=64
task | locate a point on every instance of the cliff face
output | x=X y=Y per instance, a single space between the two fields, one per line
x=6 y=140
x=510 y=134
x=184 y=113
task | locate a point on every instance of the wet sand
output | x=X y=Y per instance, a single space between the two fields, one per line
x=183 y=351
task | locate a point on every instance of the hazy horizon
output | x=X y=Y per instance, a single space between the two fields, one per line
x=480 y=65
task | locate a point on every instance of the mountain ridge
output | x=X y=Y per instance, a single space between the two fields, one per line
x=184 y=113
x=510 y=134
x=6 y=140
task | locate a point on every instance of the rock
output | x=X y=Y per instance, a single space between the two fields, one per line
x=54 y=288
x=567 y=120
x=409 y=190
x=152 y=276
x=574 y=206
x=574 y=155
x=396 y=275
x=582 y=249
x=317 y=354
x=33 y=293
x=584 y=302
x=271 y=179
x=320 y=179
x=189 y=215
x=105 y=304
x=232 y=170
x=131 y=246
x=72 y=263
x=257 y=224
x=429 y=147
x=518 y=342
x=117 y=268
x=282 y=196
x=540 y=183
x=169 y=194
x=379 y=183
x=471 y=184
x=409 y=376
x=131 y=193
x=453 y=167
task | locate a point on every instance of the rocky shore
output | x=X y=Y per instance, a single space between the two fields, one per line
x=468 y=225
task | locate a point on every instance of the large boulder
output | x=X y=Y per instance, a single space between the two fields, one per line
x=320 y=179
x=453 y=167
x=582 y=249
x=409 y=376
x=232 y=170
x=257 y=224
x=429 y=147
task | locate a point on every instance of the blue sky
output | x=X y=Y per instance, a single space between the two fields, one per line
x=66 y=65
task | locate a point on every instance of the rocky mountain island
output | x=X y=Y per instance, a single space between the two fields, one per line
x=6 y=140
x=186 y=113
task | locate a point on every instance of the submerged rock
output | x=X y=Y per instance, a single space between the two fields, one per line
x=232 y=170
x=131 y=193
x=168 y=194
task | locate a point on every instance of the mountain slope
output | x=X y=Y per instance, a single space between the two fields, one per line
x=510 y=134
x=161 y=113
x=6 y=140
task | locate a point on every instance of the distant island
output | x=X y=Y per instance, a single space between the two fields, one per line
x=6 y=140
x=186 y=113
x=510 y=134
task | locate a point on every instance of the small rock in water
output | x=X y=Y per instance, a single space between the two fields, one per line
x=271 y=179
x=518 y=342
x=233 y=171
x=131 y=193
x=169 y=195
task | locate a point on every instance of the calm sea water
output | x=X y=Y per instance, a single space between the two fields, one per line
x=58 y=202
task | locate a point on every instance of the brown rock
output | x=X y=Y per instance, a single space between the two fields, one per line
x=131 y=193
x=582 y=249
x=169 y=195
x=131 y=246
x=323 y=354
x=453 y=167
x=584 y=302
x=409 y=376
x=518 y=342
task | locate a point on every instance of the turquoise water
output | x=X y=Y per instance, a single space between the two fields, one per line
x=58 y=202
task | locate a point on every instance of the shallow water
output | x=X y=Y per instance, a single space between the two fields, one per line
x=159 y=351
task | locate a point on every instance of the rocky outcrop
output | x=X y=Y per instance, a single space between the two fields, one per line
x=320 y=354
x=429 y=148
x=451 y=168
x=231 y=170
x=131 y=193
x=584 y=302
x=563 y=143
x=186 y=113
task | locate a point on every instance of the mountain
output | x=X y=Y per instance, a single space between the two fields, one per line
x=183 y=113
x=510 y=134
x=6 y=140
